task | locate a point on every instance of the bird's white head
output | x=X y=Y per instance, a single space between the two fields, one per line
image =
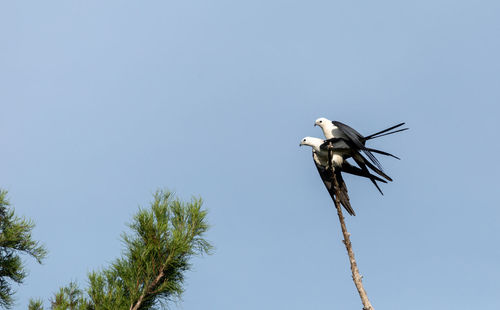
x=312 y=142
x=326 y=125
x=321 y=122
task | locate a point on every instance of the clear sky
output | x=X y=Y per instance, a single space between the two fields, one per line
x=103 y=102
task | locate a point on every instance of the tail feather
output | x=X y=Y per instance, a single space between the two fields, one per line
x=363 y=163
x=383 y=153
x=372 y=158
x=348 y=168
x=389 y=133
x=376 y=185
x=378 y=171
x=379 y=134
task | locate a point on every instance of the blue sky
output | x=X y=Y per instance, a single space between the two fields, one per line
x=102 y=103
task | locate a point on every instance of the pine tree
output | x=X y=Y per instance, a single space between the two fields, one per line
x=15 y=240
x=35 y=304
x=150 y=273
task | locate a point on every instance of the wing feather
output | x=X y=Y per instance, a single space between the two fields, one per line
x=327 y=178
x=357 y=139
x=348 y=168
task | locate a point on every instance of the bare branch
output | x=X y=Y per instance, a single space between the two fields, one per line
x=356 y=277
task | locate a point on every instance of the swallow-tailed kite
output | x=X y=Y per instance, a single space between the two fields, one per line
x=355 y=140
x=339 y=164
x=339 y=153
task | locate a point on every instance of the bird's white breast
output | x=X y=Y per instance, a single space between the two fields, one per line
x=322 y=159
x=337 y=160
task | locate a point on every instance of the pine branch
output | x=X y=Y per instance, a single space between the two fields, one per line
x=164 y=240
x=15 y=240
x=161 y=242
x=148 y=290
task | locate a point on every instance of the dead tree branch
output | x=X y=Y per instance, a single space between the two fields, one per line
x=356 y=277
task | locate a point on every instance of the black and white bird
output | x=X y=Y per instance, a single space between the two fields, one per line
x=342 y=134
x=336 y=160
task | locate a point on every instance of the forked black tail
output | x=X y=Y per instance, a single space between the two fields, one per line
x=385 y=132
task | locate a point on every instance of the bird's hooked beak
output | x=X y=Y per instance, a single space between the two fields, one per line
x=315 y=124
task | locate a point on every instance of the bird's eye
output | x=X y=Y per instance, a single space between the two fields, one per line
x=321 y=121
x=304 y=140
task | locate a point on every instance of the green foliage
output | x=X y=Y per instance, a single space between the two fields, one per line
x=15 y=239
x=35 y=304
x=161 y=241
x=69 y=297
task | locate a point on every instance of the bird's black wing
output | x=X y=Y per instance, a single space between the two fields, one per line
x=363 y=163
x=348 y=168
x=327 y=176
x=357 y=140
x=343 y=195
x=359 y=158
x=338 y=144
